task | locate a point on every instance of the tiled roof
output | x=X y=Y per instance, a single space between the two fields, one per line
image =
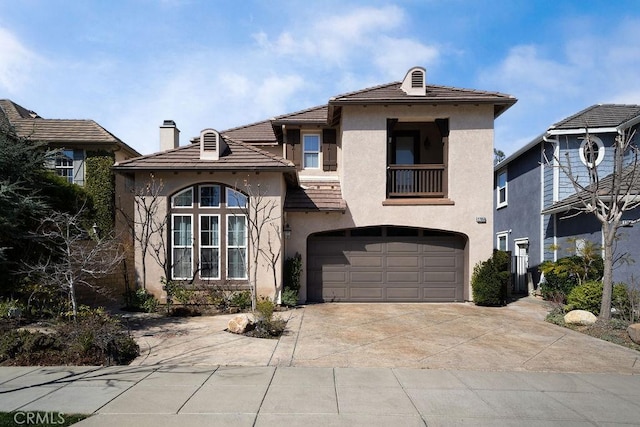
x=239 y=156
x=630 y=181
x=323 y=196
x=601 y=115
x=58 y=132
x=261 y=132
x=309 y=116
x=392 y=94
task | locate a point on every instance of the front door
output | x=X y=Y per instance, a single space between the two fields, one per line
x=522 y=265
x=405 y=152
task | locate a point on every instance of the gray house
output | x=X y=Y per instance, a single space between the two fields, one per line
x=535 y=202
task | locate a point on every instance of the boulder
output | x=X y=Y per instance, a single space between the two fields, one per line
x=634 y=332
x=580 y=317
x=240 y=324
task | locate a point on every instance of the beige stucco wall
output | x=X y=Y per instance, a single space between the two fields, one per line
x=272 y=191
x=362 y=170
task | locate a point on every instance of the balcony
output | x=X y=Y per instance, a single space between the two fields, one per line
x=416 y=181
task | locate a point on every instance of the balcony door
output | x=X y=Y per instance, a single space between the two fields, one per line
x=405 y=152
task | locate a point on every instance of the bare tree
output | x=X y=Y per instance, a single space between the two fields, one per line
x=77 y=257
x=607 y=198
x=260 y=212
x=148 y=226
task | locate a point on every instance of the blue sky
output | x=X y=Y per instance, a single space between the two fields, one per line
x=131 y=64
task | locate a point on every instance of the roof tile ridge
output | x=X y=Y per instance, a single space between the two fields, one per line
x=260 y=151
x=156 y=154
x=306 y=110
x=368 y=89
x=463 y=89
x=245 y=126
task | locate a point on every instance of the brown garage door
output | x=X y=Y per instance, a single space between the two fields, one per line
x=385 y=264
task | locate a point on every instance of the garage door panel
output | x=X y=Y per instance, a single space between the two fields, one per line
x=440 y=261
x=366 y=261
x=403 y=261
x=338 y=276
x=385 y=268
x=440 y=277
x=366 y=277
x=404 y=247
x=443 y=294
x=403 y=293
x=403 y=277
x=366 y=294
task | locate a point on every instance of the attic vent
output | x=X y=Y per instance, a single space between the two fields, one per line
x=211 y=145
x=417 y=79
x=414 y=82
x=210 y=141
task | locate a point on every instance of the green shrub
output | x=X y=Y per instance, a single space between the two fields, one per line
x=264 y=309
x=289 y=297
x=240 y=299
x=567 y=273
x=588 y=296
x=490 y=280
x=141 y=300
x=292 y=272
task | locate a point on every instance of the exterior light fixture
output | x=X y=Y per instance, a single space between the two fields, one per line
x=287 y=231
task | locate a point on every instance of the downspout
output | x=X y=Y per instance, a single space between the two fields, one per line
x=555 y=185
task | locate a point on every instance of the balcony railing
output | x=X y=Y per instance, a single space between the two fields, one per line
x=416 y=181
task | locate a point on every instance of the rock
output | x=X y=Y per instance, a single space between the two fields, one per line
x=580 y=317
x=634 y=332
x=240 y=324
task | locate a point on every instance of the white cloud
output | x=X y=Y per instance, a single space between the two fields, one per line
x=555 y=81
x=361 y=35
x=15 y=62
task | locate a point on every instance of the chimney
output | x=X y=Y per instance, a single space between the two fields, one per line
x=169 y=135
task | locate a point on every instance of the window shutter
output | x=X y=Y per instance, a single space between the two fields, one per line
x=329 y=150
x=294 y=149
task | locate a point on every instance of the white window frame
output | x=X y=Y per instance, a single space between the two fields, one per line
x=317 y=152
x=594 y=139
x=499 y=203
x=243 y=246
x=173 y=198
x=201 y=246
x=174 y=246
x=501 y=235
x=65 y=168
x=200 y=187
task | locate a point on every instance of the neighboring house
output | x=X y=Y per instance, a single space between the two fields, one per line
x=535 y=216
x=74 y=138
x=385 y=192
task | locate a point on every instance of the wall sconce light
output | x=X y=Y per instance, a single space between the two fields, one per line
x=96 y=230
x=287 y=231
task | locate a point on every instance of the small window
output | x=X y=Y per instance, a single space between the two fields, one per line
x=591 y=151
x=311 y=151
x=183 y=199
x=64 y=165
x=236 y=247
x=502 y=241
x=182 y=242
x=209 y=246
x=210 y=196
x=501 y=189
x=236 y=199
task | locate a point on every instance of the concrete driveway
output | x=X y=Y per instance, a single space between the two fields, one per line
x=438 y=336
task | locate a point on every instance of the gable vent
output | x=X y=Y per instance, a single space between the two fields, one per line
x=414 y=82
x=417 y=79
x=210 y=141
x=211 y=145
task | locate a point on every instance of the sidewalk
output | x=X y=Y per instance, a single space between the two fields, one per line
x=268 y=396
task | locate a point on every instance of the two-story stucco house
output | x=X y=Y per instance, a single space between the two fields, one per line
x=386 y=193
x=76 y=139
x=535 y=201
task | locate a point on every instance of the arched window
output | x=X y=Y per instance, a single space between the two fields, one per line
x=208 y=233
